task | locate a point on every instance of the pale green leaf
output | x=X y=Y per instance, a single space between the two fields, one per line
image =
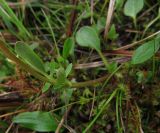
x=46 y=87
x=38 y=121
x=133 y=7
x=34 y=45
x=146 y=51
x=29 y=56
x=68 y=47
x=112 y=35
x=68 y=69
x=51 y=67
x=88 y=37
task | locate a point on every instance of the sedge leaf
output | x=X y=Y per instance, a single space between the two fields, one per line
x=145 y=52
x=133 y=7
x=38 y=121
x=29 y=56
x=88 y=37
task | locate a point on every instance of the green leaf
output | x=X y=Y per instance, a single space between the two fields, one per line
x=145 y=52
x=68 y=69
x=51 y=67
x=60 y=59
x=112 y=35
x=29 y=56
x=38 y=121
x=46 y=87
x=61 y=78
x=68 y=47
x=34 y=45
x=88 y=37
x=133 y=7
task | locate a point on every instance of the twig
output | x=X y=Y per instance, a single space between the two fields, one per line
x=9 y=128
x=138 y=42
x=62 y=120
x=147 y=11
x=109 y=17
x=100 y=63
x=72 y=19
x=12 y=113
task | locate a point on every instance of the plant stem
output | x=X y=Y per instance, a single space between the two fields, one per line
x=135 y=23
x=117 y=111
x=150 y=23
x=103 y=59
x=89 y=83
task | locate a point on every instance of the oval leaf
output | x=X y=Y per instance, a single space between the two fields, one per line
x=145 y=52
x=29 y=56
x=133 y=7
x=68 y=47
x=38 y=121
x=88 y=37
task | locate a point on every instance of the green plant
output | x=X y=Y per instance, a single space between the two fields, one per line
x=112 y=35
x=68 y=48
x=146 y=51
x=132 y=8
x=88 y=37
x=41 y=38
x=38 y=121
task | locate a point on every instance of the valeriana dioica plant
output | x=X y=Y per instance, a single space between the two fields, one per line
x=31 y=63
